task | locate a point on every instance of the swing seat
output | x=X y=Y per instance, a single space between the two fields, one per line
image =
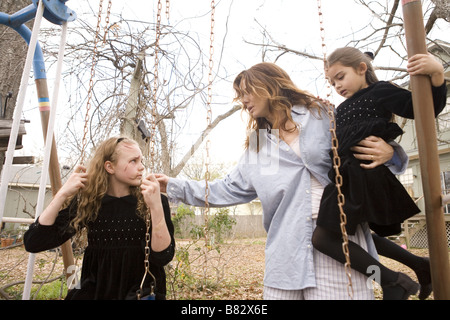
x=5 y=131
x=146 y=294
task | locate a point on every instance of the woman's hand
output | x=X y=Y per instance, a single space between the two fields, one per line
x=373 y=149
x=163 y=181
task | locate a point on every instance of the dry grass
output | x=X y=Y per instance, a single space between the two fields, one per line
x=234 y=271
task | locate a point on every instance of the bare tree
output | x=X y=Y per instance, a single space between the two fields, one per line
x=128 y=51
x=384 y=34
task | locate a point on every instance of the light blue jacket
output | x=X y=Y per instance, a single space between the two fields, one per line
x=282 y=181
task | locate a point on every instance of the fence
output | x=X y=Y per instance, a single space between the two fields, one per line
x=246 y=226
x=420 y=238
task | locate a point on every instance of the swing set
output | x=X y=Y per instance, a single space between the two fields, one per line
x=58 y=13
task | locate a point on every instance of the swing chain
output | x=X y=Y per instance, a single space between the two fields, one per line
x=108 y=10
x=155 y=86
x=152 y=152
x=208 y=118
x=91 y=80
x=146 y=260
x=336 y=162
x=167 y=9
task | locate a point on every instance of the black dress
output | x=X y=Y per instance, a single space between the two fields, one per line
x=374 y=195
x=113 y=263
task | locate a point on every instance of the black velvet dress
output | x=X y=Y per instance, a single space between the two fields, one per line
x=374 y=195
x=113 y=262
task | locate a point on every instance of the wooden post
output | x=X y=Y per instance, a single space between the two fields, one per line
x=428 y=153
x=54 y=168
x=44 y=108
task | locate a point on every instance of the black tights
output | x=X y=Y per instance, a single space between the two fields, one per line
x=420 y=265
x=330 y=243
x=389 y=249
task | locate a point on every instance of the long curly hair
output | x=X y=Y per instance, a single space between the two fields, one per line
x=90 y=197
x=268 y=80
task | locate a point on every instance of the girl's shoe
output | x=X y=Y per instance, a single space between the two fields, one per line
x=424 y=277
x=400 y=289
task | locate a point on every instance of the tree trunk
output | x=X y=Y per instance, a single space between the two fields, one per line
x=13 y=50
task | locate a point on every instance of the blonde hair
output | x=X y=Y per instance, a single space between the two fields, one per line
x=267 y=80
x=352 y=57
x=90 y=197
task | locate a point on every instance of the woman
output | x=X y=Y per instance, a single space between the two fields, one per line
x=285 y=165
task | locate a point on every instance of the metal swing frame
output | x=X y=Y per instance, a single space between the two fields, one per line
x=58 y=13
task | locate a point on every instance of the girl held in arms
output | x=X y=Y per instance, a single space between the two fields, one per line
x=373 y=195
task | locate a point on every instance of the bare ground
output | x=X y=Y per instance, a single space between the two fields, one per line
x=231 y=271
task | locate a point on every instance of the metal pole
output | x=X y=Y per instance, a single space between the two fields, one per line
x=428 y=153
x=54 y=13
x=51 y=164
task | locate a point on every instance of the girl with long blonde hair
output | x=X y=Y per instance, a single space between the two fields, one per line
x=110 y=199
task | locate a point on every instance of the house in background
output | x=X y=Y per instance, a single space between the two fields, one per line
x=22 y=196
x=415 y=229
x=23 y=190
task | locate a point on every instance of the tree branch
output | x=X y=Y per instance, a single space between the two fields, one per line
x=175 y=171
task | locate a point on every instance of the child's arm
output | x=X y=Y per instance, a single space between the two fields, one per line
x=51 y=230
x=399 y=101
x=160 y=237
x=76 y=181
x=426 y=64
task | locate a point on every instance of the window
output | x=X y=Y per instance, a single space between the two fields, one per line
x=443 y=120
x=445 y=183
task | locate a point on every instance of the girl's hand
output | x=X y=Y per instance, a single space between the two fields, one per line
x=76 y=181
x=163 y=181
x=151 y=191
x=373 y=149
x=426 y=64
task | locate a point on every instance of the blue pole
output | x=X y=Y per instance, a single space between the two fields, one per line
x=15 y=22
x=55 y=11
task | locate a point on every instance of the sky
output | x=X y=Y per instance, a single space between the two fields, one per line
x=292 y=23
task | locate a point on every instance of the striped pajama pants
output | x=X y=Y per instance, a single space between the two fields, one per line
x=331 y=279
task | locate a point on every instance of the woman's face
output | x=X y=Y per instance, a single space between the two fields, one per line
x=258 y=107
